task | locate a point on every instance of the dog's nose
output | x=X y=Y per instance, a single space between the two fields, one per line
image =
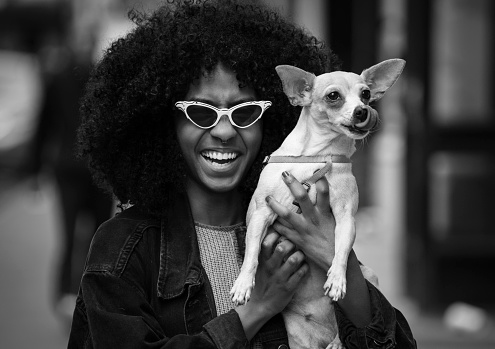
x=365 y=118
x=360 y=114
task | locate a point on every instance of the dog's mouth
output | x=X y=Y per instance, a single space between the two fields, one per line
x=355 y=130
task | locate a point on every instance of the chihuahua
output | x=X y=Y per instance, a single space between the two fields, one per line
x=335 y=113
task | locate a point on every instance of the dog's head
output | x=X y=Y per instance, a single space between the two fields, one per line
x=340 y=100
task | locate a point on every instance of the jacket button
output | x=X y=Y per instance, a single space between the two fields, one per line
x=283 y=346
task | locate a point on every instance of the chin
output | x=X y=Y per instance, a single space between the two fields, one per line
x=222 y=186
x=354 y=133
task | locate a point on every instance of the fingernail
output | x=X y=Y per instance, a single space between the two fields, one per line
x=268 y=198
x=287 y=177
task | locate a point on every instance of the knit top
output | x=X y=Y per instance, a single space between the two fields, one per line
x=220 y=256
x=222 y=259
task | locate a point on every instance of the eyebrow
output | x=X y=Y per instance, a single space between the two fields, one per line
x=229 y=105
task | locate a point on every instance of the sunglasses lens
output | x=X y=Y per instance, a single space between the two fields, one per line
x=201 y=115
x=246 y=115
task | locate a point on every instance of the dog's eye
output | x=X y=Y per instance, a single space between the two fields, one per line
x=333 y=96
x=366 y=94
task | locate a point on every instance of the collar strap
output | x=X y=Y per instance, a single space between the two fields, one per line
x=307 y=159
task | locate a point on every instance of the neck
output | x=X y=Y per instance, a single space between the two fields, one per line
x=311 y=138
x=215 y=208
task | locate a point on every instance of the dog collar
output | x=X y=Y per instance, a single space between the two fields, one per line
x=327 y=160
x=306 y=159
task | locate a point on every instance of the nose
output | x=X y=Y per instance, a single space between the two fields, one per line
x=224 y=130
x=360 y=114
x=365 y=118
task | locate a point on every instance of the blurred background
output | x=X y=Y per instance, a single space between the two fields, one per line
x=426 y=178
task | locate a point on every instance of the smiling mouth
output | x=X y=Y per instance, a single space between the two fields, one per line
x=219 y=158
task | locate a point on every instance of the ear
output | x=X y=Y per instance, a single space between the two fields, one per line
x=297 y=84
x=382 y=76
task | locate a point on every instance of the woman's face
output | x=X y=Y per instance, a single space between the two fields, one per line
x=218 y=158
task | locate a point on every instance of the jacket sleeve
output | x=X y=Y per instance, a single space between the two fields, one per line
x=388 y=327
x=111 y=313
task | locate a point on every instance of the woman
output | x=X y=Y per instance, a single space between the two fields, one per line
x=158 y=138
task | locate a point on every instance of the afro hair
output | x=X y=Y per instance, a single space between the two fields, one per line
x=127 y=132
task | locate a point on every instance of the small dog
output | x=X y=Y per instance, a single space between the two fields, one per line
x=335 y=113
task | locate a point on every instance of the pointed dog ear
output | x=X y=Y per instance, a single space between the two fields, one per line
x=382 y=76
x=297 y=84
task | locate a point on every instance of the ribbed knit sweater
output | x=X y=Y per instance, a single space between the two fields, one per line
x=222 y=260
x=220 y=256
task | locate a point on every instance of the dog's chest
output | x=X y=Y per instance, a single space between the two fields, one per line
x=309 y=317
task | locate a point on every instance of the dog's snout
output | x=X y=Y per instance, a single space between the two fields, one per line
x=365 y=118
x=360 y=114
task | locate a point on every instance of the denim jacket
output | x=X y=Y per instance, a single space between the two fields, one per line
x=144 y=287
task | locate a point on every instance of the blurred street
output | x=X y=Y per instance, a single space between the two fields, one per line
x=28 y=253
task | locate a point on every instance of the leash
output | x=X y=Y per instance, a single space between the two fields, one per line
x=327 y=160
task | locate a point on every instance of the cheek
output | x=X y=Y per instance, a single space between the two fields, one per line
x=188 y=135
x=252 y=138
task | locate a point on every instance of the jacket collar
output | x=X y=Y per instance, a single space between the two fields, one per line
x=180 y=263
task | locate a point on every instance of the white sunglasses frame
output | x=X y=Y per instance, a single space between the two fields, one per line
x=183 y=105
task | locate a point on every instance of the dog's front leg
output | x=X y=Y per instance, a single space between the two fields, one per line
x=345 y=234
x=258 y=224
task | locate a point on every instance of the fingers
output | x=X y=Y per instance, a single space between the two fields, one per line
x=300 y=271
x=293 y=262
x=299 y=192
x=284 y=213
x=285 y=223
x=268 y=244
x=302 y=198
x=289 y=233
x=282 y=252
x=276 y=248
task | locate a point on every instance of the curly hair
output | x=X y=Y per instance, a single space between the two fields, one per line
x=127 y=131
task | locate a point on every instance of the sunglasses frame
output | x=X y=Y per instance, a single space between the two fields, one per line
x=183 y=105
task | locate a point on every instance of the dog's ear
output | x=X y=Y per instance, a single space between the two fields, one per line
x=297 y=84
x=382 y=76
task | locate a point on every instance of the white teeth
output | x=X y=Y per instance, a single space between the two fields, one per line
x=218 y=156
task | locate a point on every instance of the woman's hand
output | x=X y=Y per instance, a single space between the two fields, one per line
x=280 y=270
x=313 y=230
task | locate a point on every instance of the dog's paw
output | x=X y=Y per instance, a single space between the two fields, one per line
x=241 y=291
x=335 y=286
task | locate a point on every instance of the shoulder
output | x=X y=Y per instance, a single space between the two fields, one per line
x=116 y=239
